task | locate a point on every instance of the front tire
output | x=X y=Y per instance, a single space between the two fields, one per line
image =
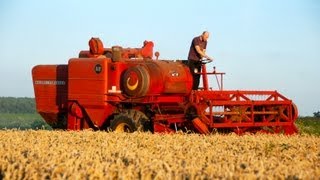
x=130 y=121
x=122 y=124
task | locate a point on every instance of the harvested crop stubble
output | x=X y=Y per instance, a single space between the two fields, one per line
x=90 y=155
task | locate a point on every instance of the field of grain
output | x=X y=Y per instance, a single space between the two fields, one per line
x=100 y=155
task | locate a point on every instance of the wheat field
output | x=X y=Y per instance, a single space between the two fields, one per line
x=101 y=155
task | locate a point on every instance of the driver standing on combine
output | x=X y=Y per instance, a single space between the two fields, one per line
x=196 y=53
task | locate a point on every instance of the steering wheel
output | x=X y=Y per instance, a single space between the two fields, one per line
x=205 y=61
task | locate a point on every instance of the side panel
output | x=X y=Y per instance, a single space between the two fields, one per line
x=50 y=84
x=175 y=76
x=88 y=85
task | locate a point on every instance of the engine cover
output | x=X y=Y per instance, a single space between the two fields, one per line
x=154 y=77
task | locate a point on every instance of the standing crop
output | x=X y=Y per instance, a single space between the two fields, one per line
x=90 y=155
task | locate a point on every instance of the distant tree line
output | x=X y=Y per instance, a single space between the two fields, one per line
x=27 y=105
x=20 y=112
x=17 y=105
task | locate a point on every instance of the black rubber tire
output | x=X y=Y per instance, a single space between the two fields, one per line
x=122 y=123
x=131 y=120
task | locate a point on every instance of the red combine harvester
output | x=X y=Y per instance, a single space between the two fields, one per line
x=125 y=89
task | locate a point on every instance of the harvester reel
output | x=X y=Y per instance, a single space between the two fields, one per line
x=237 y=113
x=130 y=121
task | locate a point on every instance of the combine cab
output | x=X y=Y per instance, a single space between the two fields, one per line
x=125 y=89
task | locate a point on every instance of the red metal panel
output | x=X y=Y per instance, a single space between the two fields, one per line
x=50 y=84
x=151 y=77
x=88 y=84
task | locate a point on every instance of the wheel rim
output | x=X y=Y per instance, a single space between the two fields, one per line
x=130 y=121
x=123 y=127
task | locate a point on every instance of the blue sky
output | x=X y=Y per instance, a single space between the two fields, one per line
x=260 y=44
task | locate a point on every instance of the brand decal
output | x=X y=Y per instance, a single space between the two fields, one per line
x=98 y=68
x=132 y=87
x=50 y=82
x=174 y=73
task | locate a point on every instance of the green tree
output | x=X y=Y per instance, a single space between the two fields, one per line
x=17 y=105
x=316 y=114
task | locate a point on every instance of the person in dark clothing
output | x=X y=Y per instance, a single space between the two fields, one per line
x=196 y=53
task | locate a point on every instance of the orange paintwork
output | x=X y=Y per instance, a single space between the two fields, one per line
x=160 y=77
x=91 y=90
x=51 y=90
